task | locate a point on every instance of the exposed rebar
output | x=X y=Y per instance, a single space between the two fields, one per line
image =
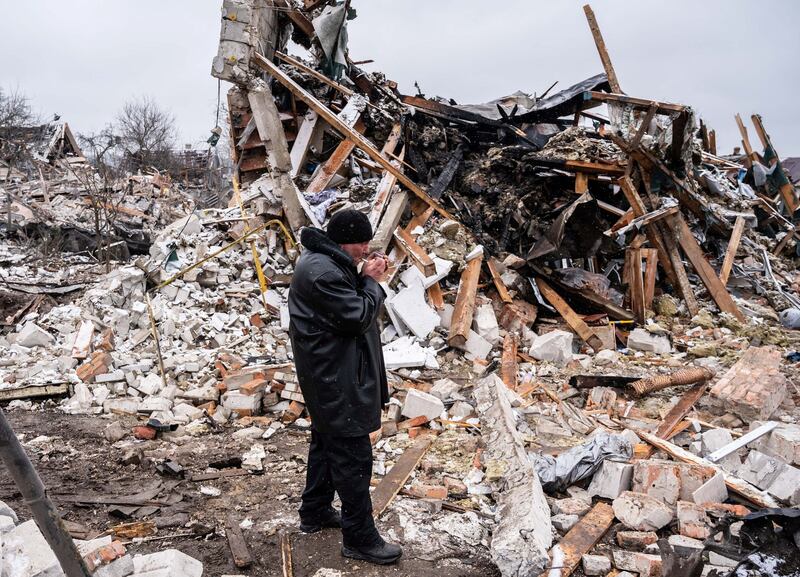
x=682 y=377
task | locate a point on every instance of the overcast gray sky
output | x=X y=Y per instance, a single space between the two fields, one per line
x=84 y=58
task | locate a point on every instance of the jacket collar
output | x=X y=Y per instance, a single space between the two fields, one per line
x=317 y=240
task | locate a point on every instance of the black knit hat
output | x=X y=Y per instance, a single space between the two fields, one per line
x=349 y=227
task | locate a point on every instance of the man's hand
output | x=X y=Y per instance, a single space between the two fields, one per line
x=374 y=267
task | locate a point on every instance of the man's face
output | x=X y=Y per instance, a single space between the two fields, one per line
x=357 y=251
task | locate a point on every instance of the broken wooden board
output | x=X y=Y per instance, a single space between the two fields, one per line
x=388 y=223
x=584 y=535
x=651 y=267
x=704 y=270
x=611 y=74
x=508 y=364
x=502 y=291
x=678 y=412
x=733 y=246
x=643 y=103
x=415 y=252
x=346 y=131
x=633 y=262
x=309 y=129
x=336 y=160
x=384 y=191
x=33 y=392
x=735 y=484
x=787 y=189
x=570 y=316
x=394 y=480
x=286 y=554
x=239 y=551
x=464 y=308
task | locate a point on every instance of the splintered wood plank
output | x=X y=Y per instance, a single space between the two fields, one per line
x=464 y=309
x=636 y=283
x=508 y=364
x=748 y=149
x=712 y=142
x=286 y=554
x=391 y=484
x=601 y=49
x=733 y=246
x=581 y=182
x=787 y=188
x=346 y=131
x=704 y=270
x=416 y=253
x=305 y=136
x=334 y=163
x=384 y=191
x=651 y=266
x=678 y=412
x=570 y=316
x=311 y=72
x=502 y=291
x=582 y=537
x=388 y=223
x=239 y=551
x=436 y=296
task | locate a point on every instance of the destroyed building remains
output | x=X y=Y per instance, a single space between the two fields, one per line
x=590 y=330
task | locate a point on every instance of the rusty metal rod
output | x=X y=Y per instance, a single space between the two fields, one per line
x=682 y=377
x=21 y=471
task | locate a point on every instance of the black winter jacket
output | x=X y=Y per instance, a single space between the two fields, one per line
x=335 y=340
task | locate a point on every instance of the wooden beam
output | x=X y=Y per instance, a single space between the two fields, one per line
x=239 y=551
x=391 y=218
x=461 y=322
x=704 y=270
x=643 y=220
x=651 y=267
x=334 y=163
x=645 y=125
x=733 y=246
x=748 y=149
x=286 y=554
x=677 y=413
x=633 y=258
x=787 y=188
x=643 y=103
x=579 y=540
x=416 y=253
x=508 y=364
x=601 y=49
x=347 y=131
x=712 y=142
x=383 y=192
x=391 y=484
x=581 y=182
x=311 y=72
x=502 y=291
x=436 y=296
x=305 y=136
x=570 y=316
x=735 y=484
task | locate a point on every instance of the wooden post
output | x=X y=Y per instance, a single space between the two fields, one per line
x=415 y=252
x=461 y=322
x=748 y=150
x=651 y=265
x=508 y=364
x=601 y=49
x=733 y=245
x=787 y=188
x=502 y=291
x=581 y=182
x=636 y=283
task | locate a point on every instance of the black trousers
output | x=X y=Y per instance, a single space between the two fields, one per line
x=342 y=465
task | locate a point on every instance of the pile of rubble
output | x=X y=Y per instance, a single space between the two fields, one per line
x=561 y=380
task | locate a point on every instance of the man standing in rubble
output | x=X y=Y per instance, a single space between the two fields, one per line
x=337 y=353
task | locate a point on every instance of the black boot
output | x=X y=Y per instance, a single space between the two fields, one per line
x=379 y=552
x=328 y=518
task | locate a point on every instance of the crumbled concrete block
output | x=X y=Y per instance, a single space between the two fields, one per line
x=7 y=511
x=570 y=506
x=244 y=405
x=484 y=322
x=405 y=352
x=611 y=479
x=248 y=434
x=6 y=525
x=605 y=358
x=712 y=491
x=668 y=481
x=444 y=388
x=114 y=432
x=786 y=486
x=149 y=385
x=684 y=546
x=461 y=410
x=715 y=558
x=122 y=567
x=122 y=405
x=642 y=340
x=410 y=305
x=563 y=522
x=783 y=442
x=555 y=346
x=418 y=404
x=595 y=564
x=27 y=554
x=692 y=520
x=641 y=512
x=760 y=469
x=713 y=440
x=32 y=335
x=636 y=540
x=155 y=404
x=476 y=347
x=112 y=377
x=175 y=561
x=642 y=563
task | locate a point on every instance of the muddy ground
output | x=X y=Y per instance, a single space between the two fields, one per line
x=76 y=459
